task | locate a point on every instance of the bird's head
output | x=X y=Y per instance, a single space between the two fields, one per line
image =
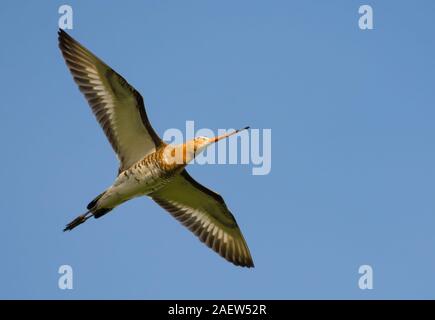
x=183 y=154
x=200 y=143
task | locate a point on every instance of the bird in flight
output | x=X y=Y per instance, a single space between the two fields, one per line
x=149 y=166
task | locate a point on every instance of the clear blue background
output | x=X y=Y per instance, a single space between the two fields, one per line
x=353 y=167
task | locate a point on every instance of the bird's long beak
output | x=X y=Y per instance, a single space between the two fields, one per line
x=216 y=139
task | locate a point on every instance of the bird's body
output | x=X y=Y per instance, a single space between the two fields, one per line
x=149 y=166
x=142 y=178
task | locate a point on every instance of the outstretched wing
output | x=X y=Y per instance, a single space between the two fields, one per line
x=205 y=213
x=118 y=107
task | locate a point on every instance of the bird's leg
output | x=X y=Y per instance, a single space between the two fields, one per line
x=77 y=221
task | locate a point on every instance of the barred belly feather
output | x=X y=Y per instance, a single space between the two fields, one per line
x=143 y=178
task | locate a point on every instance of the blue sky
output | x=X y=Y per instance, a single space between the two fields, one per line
x=353 y=159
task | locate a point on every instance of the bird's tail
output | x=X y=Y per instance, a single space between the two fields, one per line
x=78 y=221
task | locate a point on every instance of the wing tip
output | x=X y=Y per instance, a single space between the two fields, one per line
x=240 y=257
x=63 y=39
x=62 y=34
x=244 y=264
x=248 y=264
